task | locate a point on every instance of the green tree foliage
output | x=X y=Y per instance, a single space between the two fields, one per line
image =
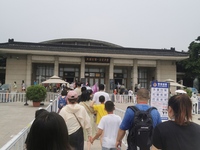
x=191 y=65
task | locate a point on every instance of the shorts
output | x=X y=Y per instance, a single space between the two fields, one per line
x=104 y=148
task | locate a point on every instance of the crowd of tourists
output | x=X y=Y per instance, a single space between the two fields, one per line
x=87 y=116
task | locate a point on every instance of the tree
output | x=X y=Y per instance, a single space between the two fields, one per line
x=191 y=66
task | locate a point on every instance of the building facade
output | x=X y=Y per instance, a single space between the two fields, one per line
x=89 y=61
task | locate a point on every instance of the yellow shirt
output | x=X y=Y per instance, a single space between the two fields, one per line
x=100 y=109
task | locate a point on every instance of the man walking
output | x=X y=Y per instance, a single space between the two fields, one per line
x=99 y=93
x=128 y=120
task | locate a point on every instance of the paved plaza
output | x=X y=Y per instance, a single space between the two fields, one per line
x=15 y=116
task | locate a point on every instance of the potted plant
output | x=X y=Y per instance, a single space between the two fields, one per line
x=36 y=93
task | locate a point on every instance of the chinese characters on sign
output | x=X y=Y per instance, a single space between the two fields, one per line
x=159 y=97
x=97 y=59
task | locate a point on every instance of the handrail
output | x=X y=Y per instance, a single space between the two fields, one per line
x=17 y=142
x=21 y=97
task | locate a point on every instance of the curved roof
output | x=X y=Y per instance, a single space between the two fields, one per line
x=81 y=42
x=80 y=48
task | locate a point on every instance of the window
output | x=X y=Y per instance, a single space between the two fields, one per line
x=43 y=71
x=142 y=77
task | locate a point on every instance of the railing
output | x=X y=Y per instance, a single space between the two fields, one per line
x=121 y=113
x=117 y=98
x=21 y=97
x=17 y=142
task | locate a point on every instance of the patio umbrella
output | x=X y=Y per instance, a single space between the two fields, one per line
x=54 y=79
x=169 y=80
x=173 y=83
x=181 y=91
x=176 y=84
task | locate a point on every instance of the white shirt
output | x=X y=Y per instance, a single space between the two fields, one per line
x=98 y=94
x=130 y=92
x=110 y=126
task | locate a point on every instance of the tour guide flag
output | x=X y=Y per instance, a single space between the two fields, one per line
x=159 y=97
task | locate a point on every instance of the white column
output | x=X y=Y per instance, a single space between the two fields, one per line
x=111 y=68
x=28 y=71
x=111 y=77
x=158 y=71
x=56 y=64
x=135 y=73
x=82 y=70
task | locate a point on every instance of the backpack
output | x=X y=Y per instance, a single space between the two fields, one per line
x=140 y=135
x=62 y=102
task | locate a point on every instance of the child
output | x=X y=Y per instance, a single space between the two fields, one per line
x=99 y=108
x=100 y=111
x=109 y=126
x=62 y=100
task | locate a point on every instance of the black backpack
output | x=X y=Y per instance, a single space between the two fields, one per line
x=140 y=135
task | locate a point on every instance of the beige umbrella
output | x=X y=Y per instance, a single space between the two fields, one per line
x=173 y=83
x=176 y=84
x=54 y=79
x=181 y=91
x=169 y=80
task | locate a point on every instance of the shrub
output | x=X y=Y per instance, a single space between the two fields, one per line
x=189 y=92
x=36 y=93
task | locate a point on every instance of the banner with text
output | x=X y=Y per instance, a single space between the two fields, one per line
x=159 y=97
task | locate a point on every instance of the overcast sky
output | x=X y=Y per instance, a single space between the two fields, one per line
x=129 y=23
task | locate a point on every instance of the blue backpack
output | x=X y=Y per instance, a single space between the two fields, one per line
x=62 y=102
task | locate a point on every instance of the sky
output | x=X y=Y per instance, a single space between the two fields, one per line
x=129 y=23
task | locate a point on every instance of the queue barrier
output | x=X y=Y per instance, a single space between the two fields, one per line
x=18 y=141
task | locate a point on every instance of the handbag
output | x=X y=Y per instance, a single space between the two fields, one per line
x=92 y=112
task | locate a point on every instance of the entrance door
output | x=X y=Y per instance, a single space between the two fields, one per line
x=69 y=80
x=69 y=77
x=118 y=81
x=92 y=81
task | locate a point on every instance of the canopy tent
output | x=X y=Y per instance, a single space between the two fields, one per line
x=176 y=84
x=169 y=80
x=173 y=83
x=54 y=79
x=181 y=92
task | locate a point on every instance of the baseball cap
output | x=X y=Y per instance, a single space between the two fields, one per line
x=72 y=95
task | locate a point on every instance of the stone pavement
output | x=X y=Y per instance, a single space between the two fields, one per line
x=15 y=116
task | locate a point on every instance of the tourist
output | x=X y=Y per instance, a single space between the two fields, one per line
x=179 y=133
x=48 y=132
x=76 y=119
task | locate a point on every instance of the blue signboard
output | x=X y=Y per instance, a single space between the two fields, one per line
x=159 y=97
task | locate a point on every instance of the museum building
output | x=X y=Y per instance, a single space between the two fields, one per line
x=88 y=60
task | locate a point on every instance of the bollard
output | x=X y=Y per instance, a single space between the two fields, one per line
x=51 y=101
x=26 y=104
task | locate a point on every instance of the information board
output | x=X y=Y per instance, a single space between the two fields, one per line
x=159 y=98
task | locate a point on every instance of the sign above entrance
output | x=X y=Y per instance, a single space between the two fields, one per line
x=97 y=59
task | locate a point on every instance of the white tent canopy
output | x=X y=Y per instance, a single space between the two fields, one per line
x=181 y=91
x=169 y=80
x=173 y=83
x=54 y=79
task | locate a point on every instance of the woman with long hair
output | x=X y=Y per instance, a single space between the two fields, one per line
x=85 y=101
x=48 y=132
x=179 y=133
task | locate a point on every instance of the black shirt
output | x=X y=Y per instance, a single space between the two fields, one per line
x=170 y=136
